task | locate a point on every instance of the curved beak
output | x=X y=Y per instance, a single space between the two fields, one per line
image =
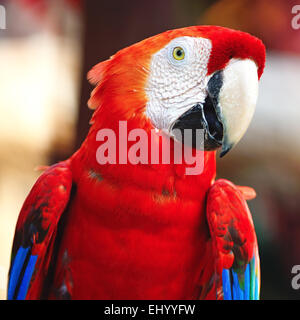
x=237 y=100
x=228 y=108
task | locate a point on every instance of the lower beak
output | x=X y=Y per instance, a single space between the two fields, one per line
x=228 y=108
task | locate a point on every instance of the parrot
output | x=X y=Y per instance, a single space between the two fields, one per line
x=138 y=231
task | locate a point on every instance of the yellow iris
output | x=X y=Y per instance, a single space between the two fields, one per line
x=178 y=53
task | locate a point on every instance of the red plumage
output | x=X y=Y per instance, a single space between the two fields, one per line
x=138 y=231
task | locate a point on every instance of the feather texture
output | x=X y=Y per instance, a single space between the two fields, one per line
x=234 y=242
x=36 y=231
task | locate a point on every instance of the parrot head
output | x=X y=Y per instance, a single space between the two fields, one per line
x=202 y=77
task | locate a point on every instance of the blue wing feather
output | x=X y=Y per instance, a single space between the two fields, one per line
x=27 y=277
x=247 y=283
x=226 y=284
x=241 y=287
x=36 y=231
x=19 y=282
x=234 y=243
x=16 y=269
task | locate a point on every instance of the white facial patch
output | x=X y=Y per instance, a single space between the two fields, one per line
x=177 y=80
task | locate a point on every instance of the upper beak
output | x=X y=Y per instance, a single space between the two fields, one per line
x=228 y=108
x=237 y=100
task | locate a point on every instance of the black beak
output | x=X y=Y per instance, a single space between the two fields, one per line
x=206 y=116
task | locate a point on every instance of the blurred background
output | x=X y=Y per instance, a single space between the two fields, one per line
x=46 y=50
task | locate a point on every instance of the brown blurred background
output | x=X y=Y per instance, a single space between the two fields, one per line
x=47 y=49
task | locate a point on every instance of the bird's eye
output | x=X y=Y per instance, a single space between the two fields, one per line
x=178 y=53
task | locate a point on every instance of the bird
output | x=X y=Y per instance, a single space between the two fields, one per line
x=107 y=223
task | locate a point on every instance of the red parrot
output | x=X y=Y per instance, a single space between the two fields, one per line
x=142 y=230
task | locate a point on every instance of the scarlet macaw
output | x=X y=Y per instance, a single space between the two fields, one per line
x=142 y=231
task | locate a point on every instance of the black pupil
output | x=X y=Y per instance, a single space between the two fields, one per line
x=179 y=52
